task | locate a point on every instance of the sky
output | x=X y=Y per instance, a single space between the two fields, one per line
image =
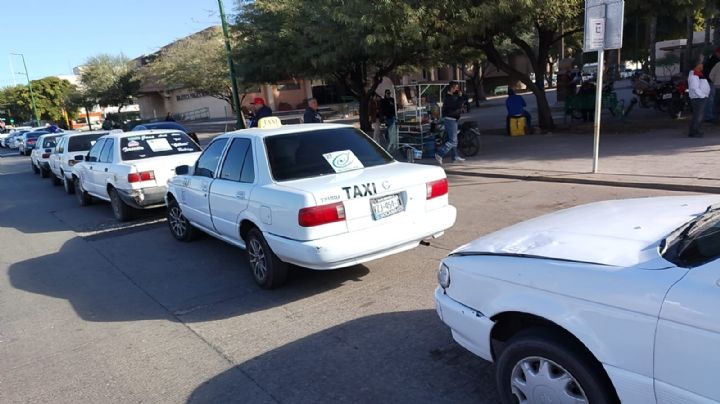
x=57 y=35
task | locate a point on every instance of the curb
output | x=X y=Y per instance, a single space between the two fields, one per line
x=583 y=181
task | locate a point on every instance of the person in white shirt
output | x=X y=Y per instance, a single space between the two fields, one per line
x=699 y=89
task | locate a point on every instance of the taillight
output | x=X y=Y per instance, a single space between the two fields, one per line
x=437 y=188
x=317 y=215
x=72 y=162
x=141 y=176
x=46 y=155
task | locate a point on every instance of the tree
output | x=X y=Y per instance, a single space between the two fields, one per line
x=198 y=63
x=49 y=93
x=78 y=98
x=354 y=42
x=110 y=80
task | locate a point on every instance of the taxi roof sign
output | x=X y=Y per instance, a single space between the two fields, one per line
x=270 y=122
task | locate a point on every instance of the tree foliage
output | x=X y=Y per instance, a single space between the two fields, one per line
x=110 y=80
x=199 y=63
x=354 y=42
x=49 y=94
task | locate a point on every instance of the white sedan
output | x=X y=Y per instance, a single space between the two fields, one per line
x=616 y=300
x=320 y=196
x=131 y=169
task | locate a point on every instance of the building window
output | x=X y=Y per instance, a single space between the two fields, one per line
x=288 y=86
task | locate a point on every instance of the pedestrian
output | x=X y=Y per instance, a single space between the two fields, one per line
x=311 y=112
x=260 y=110
x=709 y=65
x=387 y=111
x=374 y=116
x=515 y=105
x=714 y=80
x=699 y=89
x=169 y=117
x=451 y=109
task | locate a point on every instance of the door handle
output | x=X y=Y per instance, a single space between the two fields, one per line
x=106 y=169
x=240 y=195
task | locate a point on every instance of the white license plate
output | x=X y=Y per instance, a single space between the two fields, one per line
x=667 y=96
x=386 y=206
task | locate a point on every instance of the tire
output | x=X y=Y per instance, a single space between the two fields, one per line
x=82 y=197
x=122 y=212
x=26 y=152
x=469 y=142
x=44 y=173
x=34 y=168
x=68 y=185
x=55 y=180
x=266 y=268
x=180 y=228
x=531 y=353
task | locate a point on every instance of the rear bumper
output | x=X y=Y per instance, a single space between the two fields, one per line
x=469 y=327
x=144 y=198
x=364 y=245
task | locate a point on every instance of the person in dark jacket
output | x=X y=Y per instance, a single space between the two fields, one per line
x=387 y=114
x=260 y=111
x=515 y=105
x=311 y=112
x=451 y=110
x=710 y=105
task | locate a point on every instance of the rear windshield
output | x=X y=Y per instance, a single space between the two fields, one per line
x=308 y=154
x=49 y=142
x=156 y=145
x=34 y=135
x=83 y=142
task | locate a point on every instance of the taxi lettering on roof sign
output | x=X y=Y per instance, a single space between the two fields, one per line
x=270 y=122
x=316 y=196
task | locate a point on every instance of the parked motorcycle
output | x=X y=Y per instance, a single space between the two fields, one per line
x=653 y=93
x=680 y=101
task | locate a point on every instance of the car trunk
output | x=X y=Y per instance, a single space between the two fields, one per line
x=162 y=167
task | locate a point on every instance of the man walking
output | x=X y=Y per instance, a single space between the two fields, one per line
x=699 y=90
x=452 y=106
x=387 y=111
x=311 y=112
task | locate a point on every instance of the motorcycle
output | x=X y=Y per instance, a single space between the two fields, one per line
x=651 y=92
x=680 y=101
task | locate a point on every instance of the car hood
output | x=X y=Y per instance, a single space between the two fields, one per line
x=620 y=233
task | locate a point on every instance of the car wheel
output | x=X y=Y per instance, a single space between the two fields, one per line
x=122 y=212
x=542 y=366
x=56 y=180
x=83 y=197
x=26 y=152
x=469 y=142
x=34 y=168
x=267 y=269
x=68 y=185
x=44 y=173
x=180 y=228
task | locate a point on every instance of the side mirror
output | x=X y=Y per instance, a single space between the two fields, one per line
x=182 y=170
x=79 y=157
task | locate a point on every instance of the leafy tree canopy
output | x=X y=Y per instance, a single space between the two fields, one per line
x=110 y=80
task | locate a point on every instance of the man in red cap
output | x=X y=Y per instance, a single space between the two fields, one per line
x=260 y=110
x=709 y=65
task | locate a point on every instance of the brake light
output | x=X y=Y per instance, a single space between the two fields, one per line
x=317 y=215
x=46 y=155
x=141 y=176
x=437 y=188
x=72 y=162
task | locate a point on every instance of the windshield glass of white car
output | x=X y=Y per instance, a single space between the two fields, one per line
x=156 y=145
x=308 y=154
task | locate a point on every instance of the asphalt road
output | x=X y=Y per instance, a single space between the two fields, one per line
x=96 y=312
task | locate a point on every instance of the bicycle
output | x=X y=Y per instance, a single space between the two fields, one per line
x=468 y=138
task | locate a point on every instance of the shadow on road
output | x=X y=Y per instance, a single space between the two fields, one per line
x=149 y=275
x=404 y=357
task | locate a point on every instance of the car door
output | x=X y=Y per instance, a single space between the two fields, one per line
x=230 y=192
x=194 y=200
x=90 y=180
x=687 y=342
x=55 y=156
x=101 y=170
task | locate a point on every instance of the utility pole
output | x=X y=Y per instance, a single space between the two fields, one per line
x=32 y=97
x=240 y=121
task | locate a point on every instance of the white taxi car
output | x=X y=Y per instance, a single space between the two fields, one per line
x=616 y=301
x=62 y=159
x=131 y=169
x=40 y=155
x=320 y=196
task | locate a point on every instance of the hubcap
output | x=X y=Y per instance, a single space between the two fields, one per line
x=177 y=221
x=257 y=259
x=540 y=380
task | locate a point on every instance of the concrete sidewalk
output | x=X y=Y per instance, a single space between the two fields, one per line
x=660 y=159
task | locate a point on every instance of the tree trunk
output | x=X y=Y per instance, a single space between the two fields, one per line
x=688 y=59
x=708 y=13
x=652 y=27
x=87 y=116
x=364 y=110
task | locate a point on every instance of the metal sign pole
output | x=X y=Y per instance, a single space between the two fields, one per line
x=598 y=109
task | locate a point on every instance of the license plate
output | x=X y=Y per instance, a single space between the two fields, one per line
x=667 y=96
x=386 y=206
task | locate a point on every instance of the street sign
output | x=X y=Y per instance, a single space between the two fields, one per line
x=612 y=12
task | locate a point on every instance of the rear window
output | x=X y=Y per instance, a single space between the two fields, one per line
x=156 y=145
x=83 y=142
x=49 y=142
x=34 y=135
x=307 y=154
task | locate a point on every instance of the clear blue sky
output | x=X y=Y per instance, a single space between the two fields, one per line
x=57 y=35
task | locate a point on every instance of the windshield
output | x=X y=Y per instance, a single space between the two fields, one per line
x=80 y=143
x=695 y=243
x=309 y=154
x=156 y=145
